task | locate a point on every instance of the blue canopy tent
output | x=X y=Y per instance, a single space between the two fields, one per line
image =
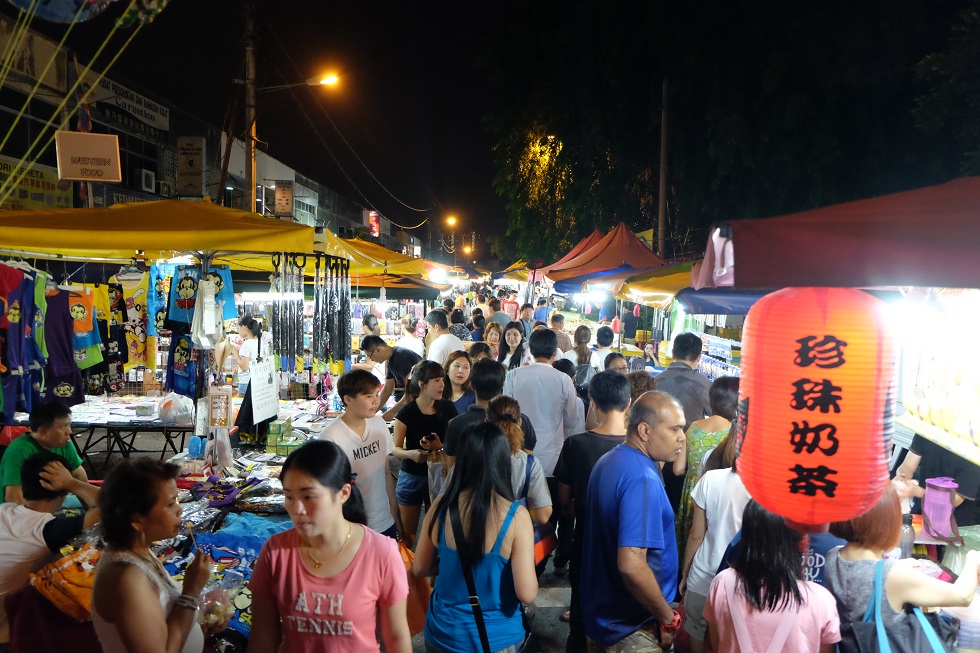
x=575 y=284
x=718 y=301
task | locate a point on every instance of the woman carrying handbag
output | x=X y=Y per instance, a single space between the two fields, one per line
x=851 y=568
x=477 y=535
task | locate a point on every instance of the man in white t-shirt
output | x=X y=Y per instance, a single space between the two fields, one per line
x=30 y=534
x=363 y=435
x=443 y=342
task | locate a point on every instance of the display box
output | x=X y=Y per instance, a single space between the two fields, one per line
x=280 y=426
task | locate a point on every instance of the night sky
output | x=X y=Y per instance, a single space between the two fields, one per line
x=409 y=105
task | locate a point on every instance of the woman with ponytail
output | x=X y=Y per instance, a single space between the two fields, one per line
x=321 y=585
x=497 y=546
x=527 y=475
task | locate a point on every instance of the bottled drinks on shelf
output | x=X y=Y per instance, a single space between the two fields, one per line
x=907 y=538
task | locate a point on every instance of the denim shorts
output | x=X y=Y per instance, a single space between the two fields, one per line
x=412 y=489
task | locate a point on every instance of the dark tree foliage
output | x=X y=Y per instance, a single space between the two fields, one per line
x=950 y=107
x=773 y=107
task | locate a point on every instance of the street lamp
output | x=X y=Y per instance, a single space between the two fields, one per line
x=326 y=80
x=451 y=248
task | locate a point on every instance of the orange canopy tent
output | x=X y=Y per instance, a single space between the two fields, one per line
x=620 y=246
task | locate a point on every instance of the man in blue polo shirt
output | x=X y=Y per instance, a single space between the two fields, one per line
x=629 y=535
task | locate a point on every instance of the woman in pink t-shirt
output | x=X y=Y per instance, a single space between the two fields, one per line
x=321 y=585
x=762 y=602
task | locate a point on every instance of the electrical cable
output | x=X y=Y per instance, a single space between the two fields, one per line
x=41 y=76
x=342 y=137
x=8 y=187
x=17 y=34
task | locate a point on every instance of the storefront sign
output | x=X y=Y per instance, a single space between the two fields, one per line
x=108 y=194
x=29 y=61
x=117 y=105
x=190 y=166
x=88 y=157
x=38 y=189
x=374 y=223
x=284 y=199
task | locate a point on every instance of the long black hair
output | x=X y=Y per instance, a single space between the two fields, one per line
x=769 y=564
x=515 y=360
x=483 y=470
x=328 y=464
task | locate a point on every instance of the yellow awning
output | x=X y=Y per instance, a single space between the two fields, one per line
x=657 y=287
x=158 y=229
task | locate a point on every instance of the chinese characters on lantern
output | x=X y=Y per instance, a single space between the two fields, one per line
x=816 y=395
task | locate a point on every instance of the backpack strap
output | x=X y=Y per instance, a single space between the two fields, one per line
x=527 y=478
x=779 y=636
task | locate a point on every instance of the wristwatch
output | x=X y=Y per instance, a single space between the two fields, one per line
x=674 y=625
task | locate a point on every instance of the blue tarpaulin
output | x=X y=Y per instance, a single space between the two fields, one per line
x=718 y=301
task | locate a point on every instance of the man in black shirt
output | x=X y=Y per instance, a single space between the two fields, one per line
x=609 y=396
x=487 y=378
x=400 y=363
x=926 y=459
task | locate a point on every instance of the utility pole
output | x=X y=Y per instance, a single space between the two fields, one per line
x=662 y=209
x=250 y=140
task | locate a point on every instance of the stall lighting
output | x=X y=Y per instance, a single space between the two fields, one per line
x=270 y=296
x=438 y=275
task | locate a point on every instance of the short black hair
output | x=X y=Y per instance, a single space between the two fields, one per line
x=370 y=321
x=543 y=343
x=525 y=306
x=494 y=304
x=45 y=415
x=557 y=318
x=604 y=336
x=437 y=318
x=542 y=301
x=610 y=390
x=457 y=317
x=368 y=343
x=356 y=382
x=476 y=311
x=448 y=303
x=608 y=360
x=566 y=366
x=30 y=476
x=487 y=378
x=479 y=321
x=687 y=347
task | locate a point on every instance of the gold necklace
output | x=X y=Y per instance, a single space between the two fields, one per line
x=316 y=563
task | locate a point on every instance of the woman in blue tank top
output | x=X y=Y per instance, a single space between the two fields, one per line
x=498 y=547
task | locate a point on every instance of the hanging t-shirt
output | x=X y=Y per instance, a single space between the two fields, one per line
x=62 y=378
x=20 y=316
x=9 y=279
x=81 y=306
x=224 y=291
x=182 y=367
x=117 y=304
x=183 y=296
x=40 y=308
x=156 y=303
x=135 y=298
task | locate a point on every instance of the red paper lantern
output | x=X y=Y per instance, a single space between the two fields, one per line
x=817 y=377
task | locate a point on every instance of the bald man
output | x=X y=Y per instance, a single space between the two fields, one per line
x=629 y=543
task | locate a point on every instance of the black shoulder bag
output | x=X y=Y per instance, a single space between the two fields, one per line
x=481 y=625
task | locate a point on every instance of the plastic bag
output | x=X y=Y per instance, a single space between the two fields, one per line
x=177 y=410
x=418 y=592
x=218 y=600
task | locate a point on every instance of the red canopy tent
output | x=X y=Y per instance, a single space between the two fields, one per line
x=582 y=246
x=620 y=246
x=924 y=237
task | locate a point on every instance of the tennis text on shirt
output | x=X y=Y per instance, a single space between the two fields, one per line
x=323 y=606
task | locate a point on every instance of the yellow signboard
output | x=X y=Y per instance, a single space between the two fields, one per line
x=40 y=188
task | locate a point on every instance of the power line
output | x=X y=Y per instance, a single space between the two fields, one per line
x=342 y=137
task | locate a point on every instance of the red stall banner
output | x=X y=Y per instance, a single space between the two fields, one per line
x=816 y=401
